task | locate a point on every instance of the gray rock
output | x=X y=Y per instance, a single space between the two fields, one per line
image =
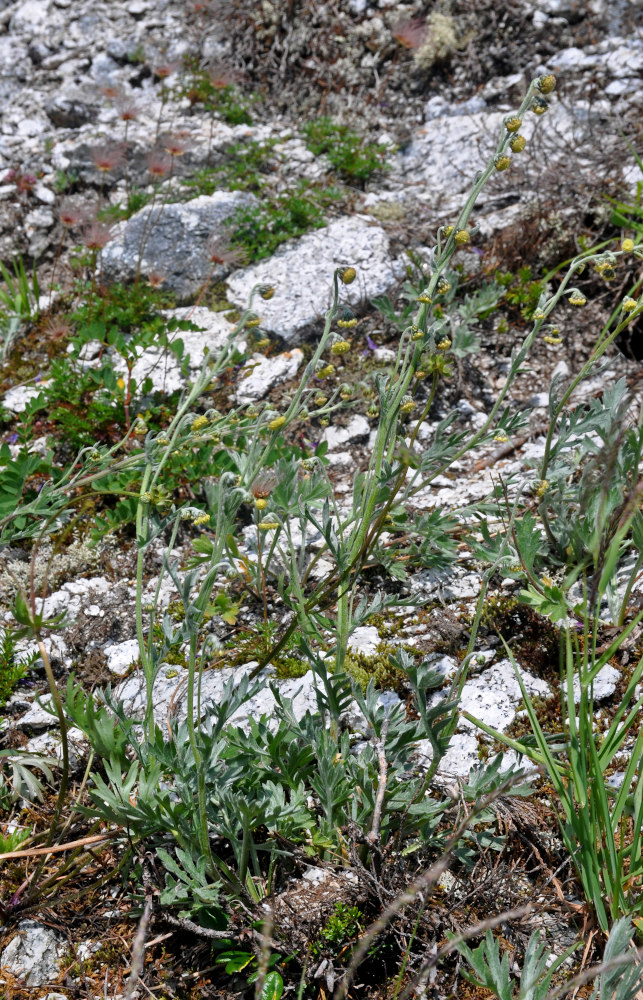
x=364 y=639
x=301 y=272
x=162 y=367
x=357 y=429
x=268 y=372
x=65 y=112
x=121 y=656
x=174 y=244
x=604 y=684
x=170 y=694
x=34 y=953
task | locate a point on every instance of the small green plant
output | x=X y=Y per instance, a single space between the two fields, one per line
x=13 y=666
x=262 y=228
x=18 y=302
x=352 y=156
x=521 y=290
x=343 y=926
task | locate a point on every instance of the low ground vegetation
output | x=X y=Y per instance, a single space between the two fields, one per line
x=208 y=825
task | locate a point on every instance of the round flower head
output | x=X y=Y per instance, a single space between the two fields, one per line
x=266 y=291
x=518 y=143
x=626 y=246
x=425 y=298
x=325 y=371
x=340 y=347
x=539 y=105
x=448 y=230
x=320 y=399
x=502 y=162
x=538 y=314
x=348 y=275
x=501 y=437
x=263 y=343
x=373 y=411
x=629 y=305
x=276 y=423
x=444 y=344
x=253 y=320
x=577 y=299
x=199 y=422
x=407 y=405
x=443 y=286
x=462 y=237
x=201 y=519
x=268 y=523
x=513 y=124
x=416 y=333
x=346 y=319
x=546 y=84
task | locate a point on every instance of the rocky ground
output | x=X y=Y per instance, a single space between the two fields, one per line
x=87 y=90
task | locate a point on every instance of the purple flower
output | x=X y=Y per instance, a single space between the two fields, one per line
x=371 y=343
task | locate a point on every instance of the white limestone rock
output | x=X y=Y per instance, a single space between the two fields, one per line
x=34 y=953
x=301 y=272
x=267 y=372
x=121 y=656
x=170 y=694
x=357 y=429
x=364 y=639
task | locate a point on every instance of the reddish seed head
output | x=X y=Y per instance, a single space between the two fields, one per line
x=107 y=156
x=159 y=163
x=128 y=109
x=165 y=67
x=97 y=235
x=220 y=76
x=111 y=91
x=58 y=327
x=23 y=182
x=409 y=32
x=175 y=144
x=219 y=251
x=155 y=279
x=70 y=215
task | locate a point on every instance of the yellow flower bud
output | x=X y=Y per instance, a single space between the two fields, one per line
x=546 y=84
x=539 y=105
x=577 y=299
x=541 y=488
x=320 y=399
x=266 y=292
x=448 y=230
x=261 y=504
x=199 y=422
x=275 y=424
x=501 y=437
x=443 y=286
x=425 y=298
x=325 y=371
x=407 y=405
x=444 y=344
x=513 y=124
x=462 y=237
x=348 y=275
x=268 y=525
x=502 y=162
x=202 y=519
x=629 y=305
x=518 y=143
x=340 y=347
x=263 y=343
x=627 y=246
